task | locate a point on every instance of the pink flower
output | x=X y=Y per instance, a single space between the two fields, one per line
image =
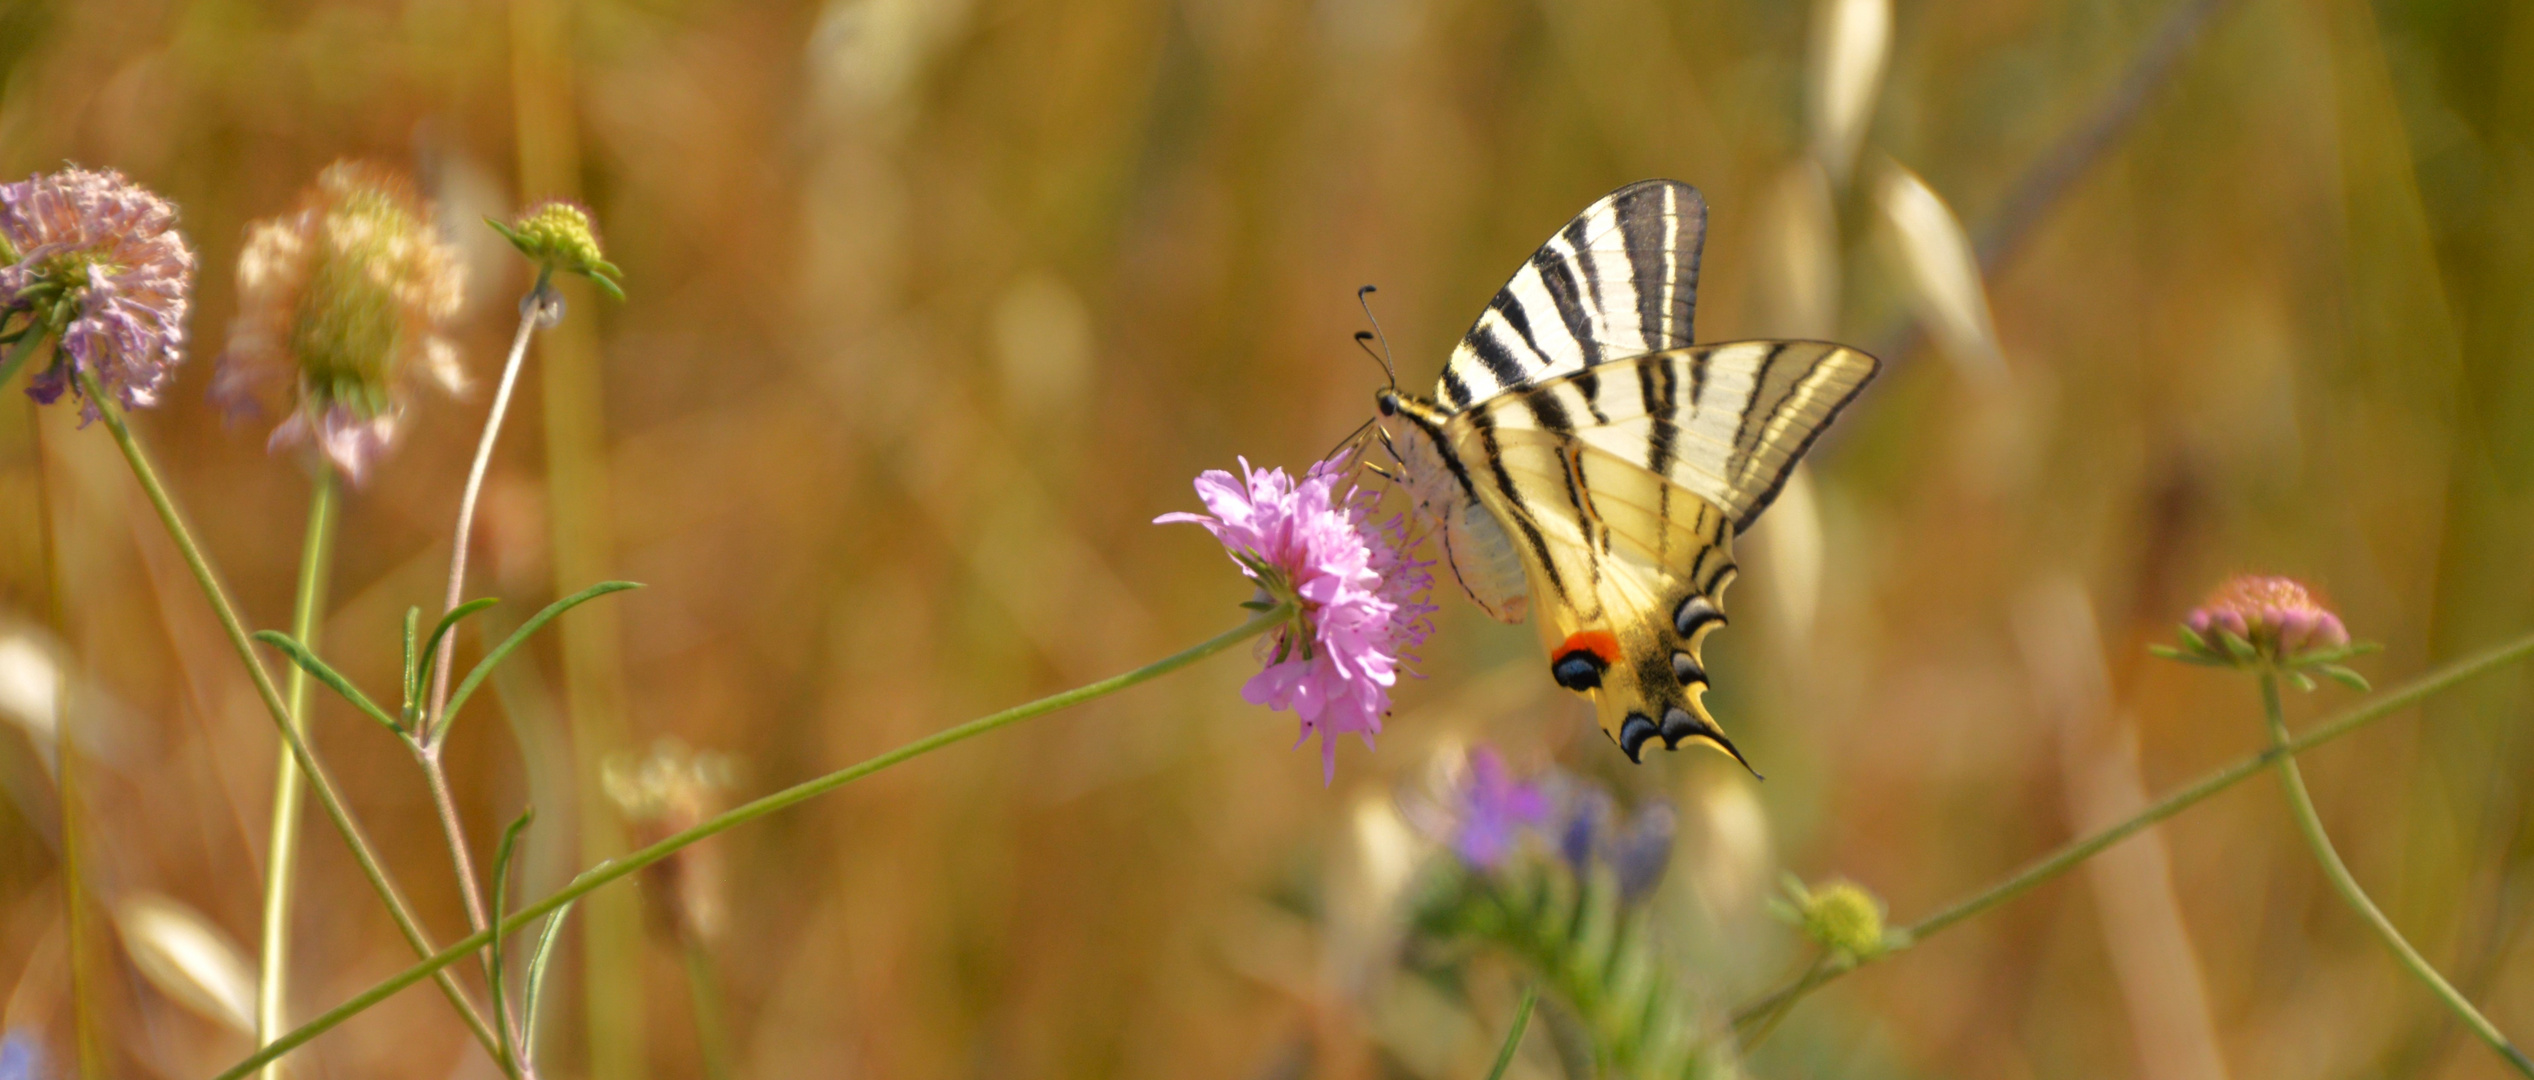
x=99 y=259
x=1358 y=595
x=2280 y=617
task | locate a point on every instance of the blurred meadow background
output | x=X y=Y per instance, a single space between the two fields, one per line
x=935 y=304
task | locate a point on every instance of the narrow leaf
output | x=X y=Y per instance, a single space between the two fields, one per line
x=534 y=993
x=2343 y=676
x=413 y=624
x=501 y=909
x=2192 y=638
x=439 y=637
x=484 y=667
x=299 y=654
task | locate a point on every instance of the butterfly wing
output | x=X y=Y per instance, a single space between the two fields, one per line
x=1622 y=489
x=1618 y=281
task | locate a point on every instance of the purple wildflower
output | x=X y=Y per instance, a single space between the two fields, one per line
x=1358 y=595
x=342 y=306
x=97 y=258
x=21 y=1057
x=1637 y=850
x=2279 y=616
x=1493 y=811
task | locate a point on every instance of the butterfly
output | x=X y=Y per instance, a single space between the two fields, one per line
x=1582 y=455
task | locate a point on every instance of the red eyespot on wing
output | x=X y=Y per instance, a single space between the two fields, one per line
x=1603 y=644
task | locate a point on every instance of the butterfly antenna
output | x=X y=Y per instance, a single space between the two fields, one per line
x=1387 y=368
x=1349 y=443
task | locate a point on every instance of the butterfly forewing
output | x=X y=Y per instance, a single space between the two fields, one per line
x=1620 y=280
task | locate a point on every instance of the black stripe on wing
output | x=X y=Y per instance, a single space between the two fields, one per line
x=1619 y=280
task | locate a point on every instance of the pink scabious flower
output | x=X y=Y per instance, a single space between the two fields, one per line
x=343 y=309
x=1358 y=595
x=2266 y=621
x=96 y=259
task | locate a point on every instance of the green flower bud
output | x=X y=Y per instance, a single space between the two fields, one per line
x=558 y=236
x=1841 y=917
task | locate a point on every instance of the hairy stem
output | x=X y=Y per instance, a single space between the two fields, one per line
x=320 y=782
x=2075 y=852
x=615 y=869
x=290 y=786
x=2301 y=806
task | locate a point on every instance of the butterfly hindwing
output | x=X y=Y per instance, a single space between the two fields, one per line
x=1620 y=280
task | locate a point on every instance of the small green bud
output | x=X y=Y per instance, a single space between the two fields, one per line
x=1841 y=917
x=559 y=236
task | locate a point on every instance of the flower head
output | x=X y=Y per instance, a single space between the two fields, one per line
x=1840 y=916
x=558 y=235
x=342 y=308
x=95 y=258
x=1637 y=849
x=1489 y=809
x=2256 y=620
x=1357 y=595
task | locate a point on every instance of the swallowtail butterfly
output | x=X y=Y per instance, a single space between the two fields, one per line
x=1581 y=455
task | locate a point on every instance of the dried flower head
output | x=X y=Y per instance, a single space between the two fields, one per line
x=96 y=259
x=667 y=791
x=1357 y=594
x=343 y=306
x=2266 y=621
x=558 y=236
x=1840 y=916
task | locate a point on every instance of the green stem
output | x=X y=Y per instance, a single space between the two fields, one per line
x=712 y=1030
x=319 y=781
x=290 y=786
x=2301 y=804
x=614 y=869
x=88 y=1043
x=1513 y=1033
x=19 y=353
x=2068 y=856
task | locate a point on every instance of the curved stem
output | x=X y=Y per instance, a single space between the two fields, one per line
x=614 y=869
x=530 y=316
x=2069 y=855
x=1513 y=1032
x=2301 y=804
x=290 y=787
x=319 y=781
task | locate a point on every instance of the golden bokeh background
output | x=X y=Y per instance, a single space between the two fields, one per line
x=935 y=304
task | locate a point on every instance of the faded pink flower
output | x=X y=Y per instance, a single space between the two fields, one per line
x=1359 y=595
x=343 y=311
x=97 y=260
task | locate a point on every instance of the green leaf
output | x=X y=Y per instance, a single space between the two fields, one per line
x=501 y=908
x=2168 y=652
x=439 y=637
x=2191 y=637
x=2301 y=680
x=2343 y=676
x=533 y=994
x=299 y=654
x=413 y=623
x=2237 y=647
x=484 y=667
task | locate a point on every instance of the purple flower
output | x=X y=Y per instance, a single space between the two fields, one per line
x=98 y=259
x=1358 y=596
x=342 y=306
x=1637 y=850
x=1494 y=810
x=21 y=1057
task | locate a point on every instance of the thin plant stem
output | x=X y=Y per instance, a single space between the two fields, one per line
x=87 y=1039
x=2301 y=806
x=1513 y=1031
x=532 y=313
x=290 y=787
x=616 y=869
x=712 y=1028
x=427 y=741
x=19 y=352
x=2068 y=856
x=320 y=782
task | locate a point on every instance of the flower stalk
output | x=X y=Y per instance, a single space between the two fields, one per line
x=2310 y=824
x=592 y=879
x=320 y=783
x=2075 y=852
x=290 y=786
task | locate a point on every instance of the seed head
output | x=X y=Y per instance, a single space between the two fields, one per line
x=343 y=306
x=96 y=259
